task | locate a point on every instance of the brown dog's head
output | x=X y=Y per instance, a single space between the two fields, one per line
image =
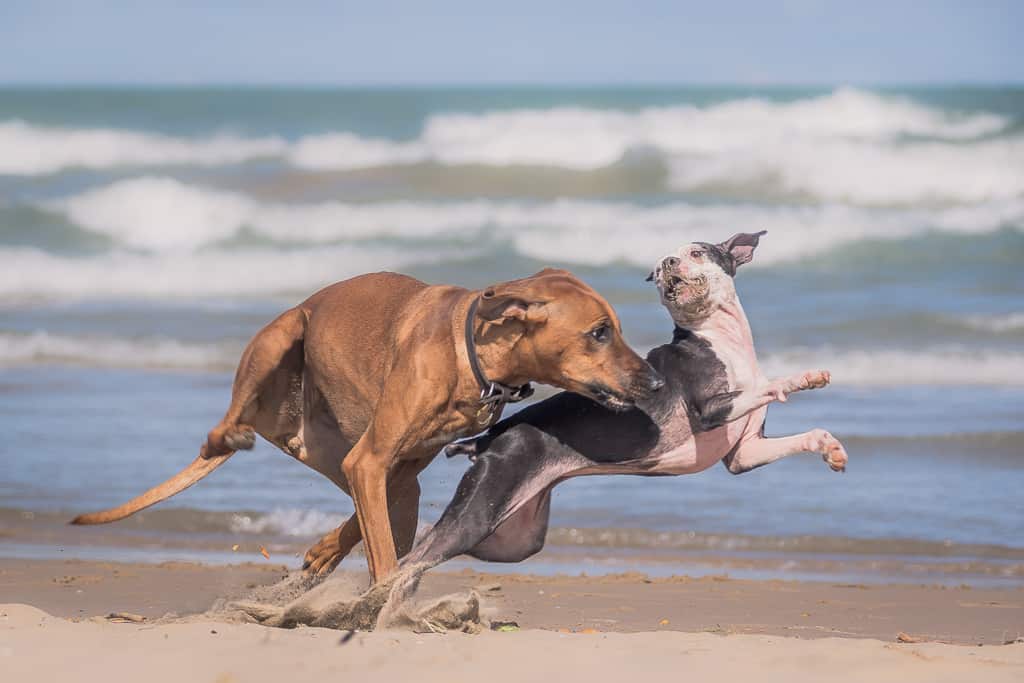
x=561 y=332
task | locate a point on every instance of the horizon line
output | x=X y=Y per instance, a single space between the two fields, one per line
x=470 y=85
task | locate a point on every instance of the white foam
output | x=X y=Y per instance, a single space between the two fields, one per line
x=293 y=274
x=849 y=145
x=33 y=150
x=164 y=214
x=95 y=351
x=161 y=214
x=929 y=367
x=287 y=521
x=861 y=172
x=998 y=324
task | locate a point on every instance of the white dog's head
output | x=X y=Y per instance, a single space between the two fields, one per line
x=696 y=281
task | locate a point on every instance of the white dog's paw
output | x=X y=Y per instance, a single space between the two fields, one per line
x=814 y=379
x=832 y=452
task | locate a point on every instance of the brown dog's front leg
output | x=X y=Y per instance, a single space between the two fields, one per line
x=403 y=509
x=367 y=474
x=332 y=548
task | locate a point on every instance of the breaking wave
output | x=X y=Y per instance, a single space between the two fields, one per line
x=997 y=324
x=30 y=273
x=849 y=145
x=942 y=366
x=26 y=149
x=163 y=214
x=883 y=367
x=287 y=521
x=94 y=351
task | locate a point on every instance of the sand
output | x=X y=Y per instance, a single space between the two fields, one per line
x=599 y=628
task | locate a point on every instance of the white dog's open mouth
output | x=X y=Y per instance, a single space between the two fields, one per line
x=676 y=289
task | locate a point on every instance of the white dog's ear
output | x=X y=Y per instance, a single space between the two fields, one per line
x=650 y=277
x=741 y=246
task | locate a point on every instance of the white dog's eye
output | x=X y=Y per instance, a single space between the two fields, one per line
x=696 y=253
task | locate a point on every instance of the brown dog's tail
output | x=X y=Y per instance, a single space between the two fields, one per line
x=199 y=468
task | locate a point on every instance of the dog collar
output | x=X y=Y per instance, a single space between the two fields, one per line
x=493 y=395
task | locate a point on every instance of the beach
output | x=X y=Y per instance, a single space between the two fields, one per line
x=584 y=627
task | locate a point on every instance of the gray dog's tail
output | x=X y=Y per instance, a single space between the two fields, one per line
x=199 y=468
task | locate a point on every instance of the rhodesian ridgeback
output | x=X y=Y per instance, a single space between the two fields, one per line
x=367 y=379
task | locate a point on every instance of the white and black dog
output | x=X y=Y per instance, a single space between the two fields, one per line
x=712 y=408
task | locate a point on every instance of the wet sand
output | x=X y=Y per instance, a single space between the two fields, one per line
x=616 y=603
x=571 y=628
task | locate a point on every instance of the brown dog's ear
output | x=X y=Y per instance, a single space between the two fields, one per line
x=495 y=306
x=524 y=299
x=741 y=246
x=551 y=270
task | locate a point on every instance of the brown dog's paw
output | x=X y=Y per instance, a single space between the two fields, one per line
x=323 y=557
x=224 y=439
x=240 y=438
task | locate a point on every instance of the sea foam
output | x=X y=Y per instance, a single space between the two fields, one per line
x=120 y=352
x=163 y=215
x=849 y=145
x=995 y=323
x=27 y=149
x=900 y=367
x=942 y=366
x=290 y=274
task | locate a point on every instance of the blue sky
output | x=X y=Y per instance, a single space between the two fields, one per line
x=462 y=42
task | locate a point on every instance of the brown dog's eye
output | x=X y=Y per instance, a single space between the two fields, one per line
x=600 y=333
x=696 y=253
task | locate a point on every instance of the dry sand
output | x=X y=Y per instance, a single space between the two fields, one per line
x=624 y=626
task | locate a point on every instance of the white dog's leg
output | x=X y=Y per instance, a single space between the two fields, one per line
x=777 y=390
x=760 y=451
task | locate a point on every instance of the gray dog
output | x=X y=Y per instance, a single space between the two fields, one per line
x=711 y=409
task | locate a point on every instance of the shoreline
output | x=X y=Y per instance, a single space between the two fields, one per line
x=225 y=538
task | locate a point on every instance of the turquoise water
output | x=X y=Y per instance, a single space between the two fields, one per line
x=146 y=234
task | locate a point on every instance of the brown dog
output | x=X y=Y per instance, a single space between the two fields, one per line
x=368 y=378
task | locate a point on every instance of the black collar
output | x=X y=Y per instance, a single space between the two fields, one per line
x=681 y=333
x=493 y=395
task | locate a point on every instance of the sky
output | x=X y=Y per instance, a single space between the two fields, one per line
x=462 y=42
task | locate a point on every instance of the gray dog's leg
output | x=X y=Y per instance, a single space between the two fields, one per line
x=500 y=509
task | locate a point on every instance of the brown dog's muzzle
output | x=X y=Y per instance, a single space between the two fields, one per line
x=639 y=382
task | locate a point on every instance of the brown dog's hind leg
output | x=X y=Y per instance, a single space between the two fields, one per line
x=267 y=391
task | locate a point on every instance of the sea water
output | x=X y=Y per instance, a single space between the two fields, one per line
x=146 y=234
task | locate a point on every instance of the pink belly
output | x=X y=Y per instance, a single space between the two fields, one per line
x=698 y=453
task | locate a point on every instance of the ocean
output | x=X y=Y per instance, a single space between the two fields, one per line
x=146 y=234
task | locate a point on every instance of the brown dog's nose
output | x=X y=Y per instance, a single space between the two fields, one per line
x=648 y=382
x=670 y=262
